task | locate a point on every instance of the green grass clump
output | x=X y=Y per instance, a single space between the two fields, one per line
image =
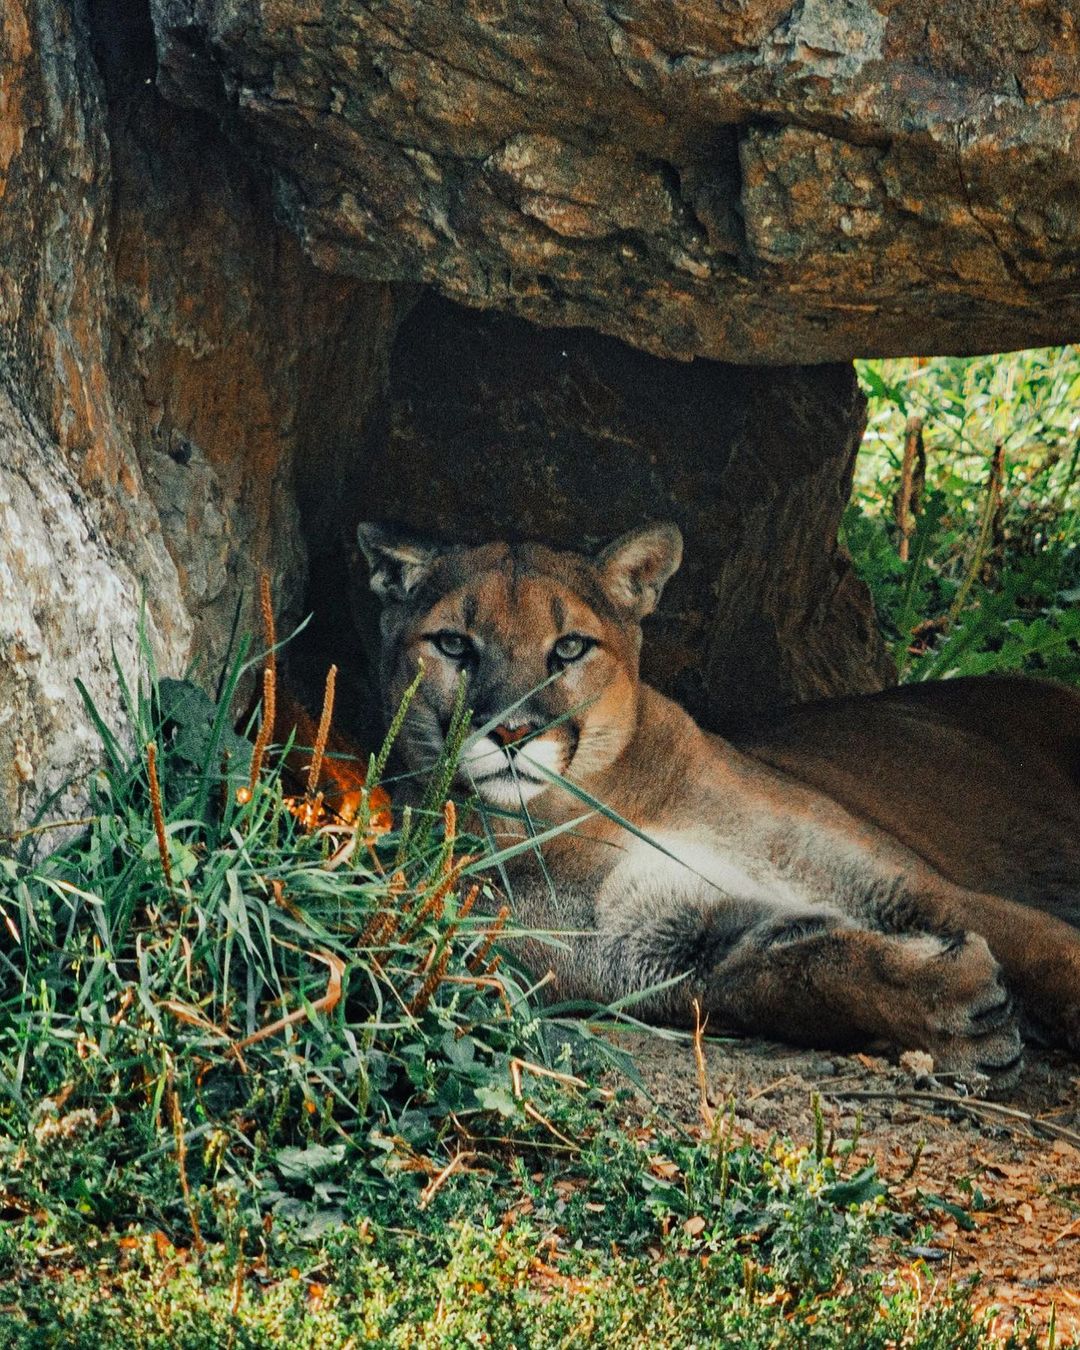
x=993 y=578
x=263 y=1009
x=481 y=1285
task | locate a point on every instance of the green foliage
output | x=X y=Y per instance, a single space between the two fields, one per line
x=478 y=1284
x=125 y=1000
x=637 y=1238
x=993 y=578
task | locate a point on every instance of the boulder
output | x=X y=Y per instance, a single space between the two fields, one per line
x=756 y=181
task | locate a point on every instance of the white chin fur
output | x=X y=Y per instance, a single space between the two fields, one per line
x=508 y=792
x=484 y=757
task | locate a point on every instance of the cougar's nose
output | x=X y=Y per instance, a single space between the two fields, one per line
x=507 y=736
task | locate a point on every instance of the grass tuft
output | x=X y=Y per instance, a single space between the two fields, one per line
x=965 y=520
x=218 y=988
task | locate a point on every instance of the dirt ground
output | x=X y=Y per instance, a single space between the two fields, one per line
x=1011 y=1163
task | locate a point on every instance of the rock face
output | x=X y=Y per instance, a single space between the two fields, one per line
x=754 y=181
x=78 y=533
x=168 y=357
x=498 y=429
x=69 y=605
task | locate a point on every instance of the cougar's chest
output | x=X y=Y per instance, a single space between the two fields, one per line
x=672 y=862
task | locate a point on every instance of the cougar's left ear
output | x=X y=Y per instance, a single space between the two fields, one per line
x=636 y=567
x=397 y=560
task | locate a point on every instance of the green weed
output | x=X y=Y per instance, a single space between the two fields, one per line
x=992 y=579
x=241 y=1003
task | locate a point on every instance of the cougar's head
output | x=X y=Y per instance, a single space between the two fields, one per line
x=546 y=642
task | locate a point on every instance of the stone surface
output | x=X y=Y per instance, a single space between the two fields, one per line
x=756 y=180
x=69 y=607
x=497 y=429
x=78 y=533
x=170 y=362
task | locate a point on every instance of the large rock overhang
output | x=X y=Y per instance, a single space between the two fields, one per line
x=758 y=181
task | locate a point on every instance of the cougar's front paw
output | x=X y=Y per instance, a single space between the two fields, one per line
x=969 y=1023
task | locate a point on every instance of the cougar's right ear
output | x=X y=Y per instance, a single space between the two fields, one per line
x=636 y=567
x=397 y=560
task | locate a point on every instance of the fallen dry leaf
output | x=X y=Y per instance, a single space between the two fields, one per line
x=663 y=1168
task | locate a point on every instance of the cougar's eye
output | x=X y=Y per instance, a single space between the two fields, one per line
x=572 y=647
x=454 y=645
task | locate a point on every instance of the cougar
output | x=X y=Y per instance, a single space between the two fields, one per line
x=901 y=867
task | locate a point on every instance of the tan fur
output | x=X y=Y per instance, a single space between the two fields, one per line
x=895 y=867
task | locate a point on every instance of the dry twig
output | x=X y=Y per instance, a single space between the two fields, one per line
x=534 y=1114
x=16 y=835
x=181 y=1159
x=707 y=1115
x=974 y=1106
x=770 y=1087
x=454 y=1165
x=325 y=1004
x=518 y=1066
x=484 y=982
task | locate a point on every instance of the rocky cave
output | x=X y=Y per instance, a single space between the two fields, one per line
x=269 y=267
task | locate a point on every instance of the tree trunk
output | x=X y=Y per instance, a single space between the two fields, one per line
x=170 y=356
